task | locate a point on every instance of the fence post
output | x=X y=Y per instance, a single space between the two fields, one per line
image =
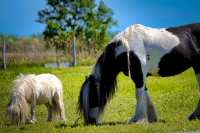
x=74 y=61
x=4 y=53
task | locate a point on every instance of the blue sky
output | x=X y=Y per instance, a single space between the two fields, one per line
x=18 y=17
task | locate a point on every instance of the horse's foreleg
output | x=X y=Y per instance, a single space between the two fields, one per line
x=141 y=107
x=33 y=117
x=50 y=112
x=138 y=75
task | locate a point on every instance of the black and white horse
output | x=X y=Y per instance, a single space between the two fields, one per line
x=138 y=52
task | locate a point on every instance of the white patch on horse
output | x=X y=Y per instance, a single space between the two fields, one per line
x=122 y=48
x=145 y=41
x=157 y=43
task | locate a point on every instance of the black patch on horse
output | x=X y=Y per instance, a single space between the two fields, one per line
x=186 y=54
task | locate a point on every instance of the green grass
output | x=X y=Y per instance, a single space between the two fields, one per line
x=174 y=97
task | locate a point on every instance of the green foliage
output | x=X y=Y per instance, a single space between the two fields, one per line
x=99 y=20
x=86 y=20
x=174 y=97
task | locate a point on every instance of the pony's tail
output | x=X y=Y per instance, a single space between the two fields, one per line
x=18 y=109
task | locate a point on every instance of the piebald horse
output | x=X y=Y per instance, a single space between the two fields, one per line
x=138 y=52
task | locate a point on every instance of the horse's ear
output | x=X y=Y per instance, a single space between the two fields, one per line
x=86 y=77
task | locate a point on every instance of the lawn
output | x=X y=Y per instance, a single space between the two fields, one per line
x=174 y=97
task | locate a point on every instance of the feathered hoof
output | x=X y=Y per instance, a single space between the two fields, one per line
x=93 y=121
x=194 y=116
x=138 y=121
x=32 y=121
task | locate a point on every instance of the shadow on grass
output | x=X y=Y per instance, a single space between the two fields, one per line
x=76 y=124
x=64 y=125
x=112 y=123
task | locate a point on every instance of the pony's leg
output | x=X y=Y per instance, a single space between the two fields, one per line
x=59 y=105
x=196 y=113
x=33 y=117
x=50 y=112
x=61 y=109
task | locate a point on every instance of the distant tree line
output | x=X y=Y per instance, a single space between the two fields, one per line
x=70 y=21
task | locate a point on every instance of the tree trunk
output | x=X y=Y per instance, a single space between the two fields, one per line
x=74 y=61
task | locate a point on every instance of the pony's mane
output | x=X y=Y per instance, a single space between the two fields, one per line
x=18 y=108
x=24 y=81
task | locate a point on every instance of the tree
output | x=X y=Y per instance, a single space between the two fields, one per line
x=75 y=18
x=99 y=21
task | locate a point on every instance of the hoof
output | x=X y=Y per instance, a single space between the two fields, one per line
x=139 y=121
x=32 y=121
x=194 y=116
x=92 y=121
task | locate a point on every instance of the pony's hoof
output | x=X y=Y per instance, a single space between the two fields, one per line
x=32 y=122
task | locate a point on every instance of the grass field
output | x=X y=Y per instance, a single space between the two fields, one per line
x=174 y=97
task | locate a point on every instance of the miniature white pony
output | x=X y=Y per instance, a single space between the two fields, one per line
x=31 y=90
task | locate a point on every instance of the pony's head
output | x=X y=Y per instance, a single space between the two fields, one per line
x=99 y=86
x=18 y=108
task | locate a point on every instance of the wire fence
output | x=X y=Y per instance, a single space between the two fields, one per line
x=17 y=54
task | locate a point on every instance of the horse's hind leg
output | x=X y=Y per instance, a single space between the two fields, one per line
x=196 y=113
x=62 y=109
x=60 y=106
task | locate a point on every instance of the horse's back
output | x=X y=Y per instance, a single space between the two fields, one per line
x=165 y=52
x=48 y=86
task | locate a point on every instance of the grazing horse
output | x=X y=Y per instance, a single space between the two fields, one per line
x=139 y=52
x=32 y=90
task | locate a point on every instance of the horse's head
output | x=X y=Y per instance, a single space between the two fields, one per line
x=99 y=87
x=89 y=100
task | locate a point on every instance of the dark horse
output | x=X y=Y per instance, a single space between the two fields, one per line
x=139 y=52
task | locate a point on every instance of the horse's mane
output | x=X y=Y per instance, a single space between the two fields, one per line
x=18 y=109
x=109 y=71
x=25 y=82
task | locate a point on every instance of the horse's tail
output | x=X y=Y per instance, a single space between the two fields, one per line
x=18 y=109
